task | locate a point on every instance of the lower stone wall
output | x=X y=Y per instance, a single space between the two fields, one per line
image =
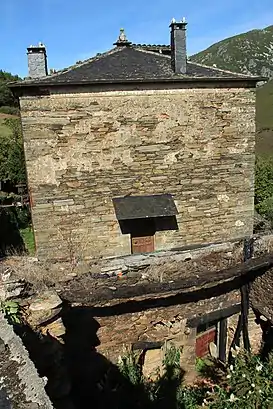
x=20 y=385
x=254 y=331
x=165 y=324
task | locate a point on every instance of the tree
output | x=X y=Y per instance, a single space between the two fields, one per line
x=12 y=161
x=6 y=96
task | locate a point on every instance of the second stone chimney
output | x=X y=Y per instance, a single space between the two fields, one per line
x=178 y=46
x=37 y=61
x=122 y=39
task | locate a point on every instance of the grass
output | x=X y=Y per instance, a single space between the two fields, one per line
x=28 y=237
x=4 y=129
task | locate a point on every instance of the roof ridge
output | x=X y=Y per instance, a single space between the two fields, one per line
x=211 y=67
x=150 y=45
x=152 y=52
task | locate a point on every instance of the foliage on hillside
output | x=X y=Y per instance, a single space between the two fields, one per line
x=250 y=53
x=6 y=97
x=264 y=115
x=264 y=187
x=12 y=161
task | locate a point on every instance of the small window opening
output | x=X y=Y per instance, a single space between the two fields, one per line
x=211 y=332
x=206 y=333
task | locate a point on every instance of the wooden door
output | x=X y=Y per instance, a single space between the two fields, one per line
x=144 y=244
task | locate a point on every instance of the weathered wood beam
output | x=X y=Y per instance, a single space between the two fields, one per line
x=92 y=291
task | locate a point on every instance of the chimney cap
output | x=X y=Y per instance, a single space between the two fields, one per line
x=179 y=24
x=37 y=48
x=122 y=39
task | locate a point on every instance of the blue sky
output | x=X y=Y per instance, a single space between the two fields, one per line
x=77 y=29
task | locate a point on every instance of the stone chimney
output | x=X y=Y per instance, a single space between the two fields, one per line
x=122 y=39
x=178 y=46
x=37 y=61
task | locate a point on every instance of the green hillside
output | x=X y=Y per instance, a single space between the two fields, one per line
x=250 y=53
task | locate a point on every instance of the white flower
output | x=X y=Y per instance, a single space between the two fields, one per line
x=260 y=391
x=253 y=385
x=249 y=392
x=259 y=367
x=232 y=398
x=228 y=376
x=231 y=367
x=243 y=375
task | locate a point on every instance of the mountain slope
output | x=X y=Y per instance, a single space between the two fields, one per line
x=249 y=53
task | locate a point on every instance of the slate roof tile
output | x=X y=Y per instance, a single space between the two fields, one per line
x=133 y=63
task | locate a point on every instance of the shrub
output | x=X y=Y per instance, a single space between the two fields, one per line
x=246 y=384
x=249 y=385
x=130 y=368
x=9 y=110
x=12 y=160
x=165 y=391
x=10 y=237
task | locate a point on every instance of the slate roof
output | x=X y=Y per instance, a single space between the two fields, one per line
x=138 y=207
x=132 y=64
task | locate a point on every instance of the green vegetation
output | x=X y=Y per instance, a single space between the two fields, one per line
x=202 y=365
x=5 y=131
x=12 y=161
x=6 y=110
x=11 y=310
x=28 y=238
x=6 y=97
x=264 y=187
x=14 y=235
x=247 y=383
x=248 y=53
x=12 y=167
x=166 y=391
x=264 y=138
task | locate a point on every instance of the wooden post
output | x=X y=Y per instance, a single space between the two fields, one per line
x=248 y=253
x=222 y=339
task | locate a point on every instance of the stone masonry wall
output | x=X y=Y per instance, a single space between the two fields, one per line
x=165 y=324
x=20 y=385
x=254 y=332
x=83 y=149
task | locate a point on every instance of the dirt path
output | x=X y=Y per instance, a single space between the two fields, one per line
x=4 y=116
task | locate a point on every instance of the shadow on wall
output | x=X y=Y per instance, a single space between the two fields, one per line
x=80 y=377
x=148 y=226
x=10 y=238
x=267 y=337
